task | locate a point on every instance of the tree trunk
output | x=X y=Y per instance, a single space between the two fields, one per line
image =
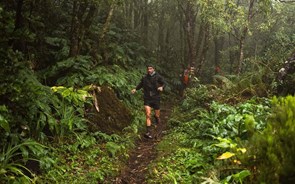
x=190 y=18
x=74 y=42
x=145 y=21
x=199 y=42
x=129 y=12
x=182 y=34
x=241 y=55
x=87 y=22
x=244 y=35
x=190 y=14
x=231 y=55
x=83 y=14
x=204 y=49
x=167 y=44
x=218 y=42
x=107 y=22
x=17 y=43
x=160 y=46
x=137 y=14
x=181 y=38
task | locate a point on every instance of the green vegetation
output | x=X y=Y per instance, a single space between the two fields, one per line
x=242 y=143
x=273 y=159
x=205 y=134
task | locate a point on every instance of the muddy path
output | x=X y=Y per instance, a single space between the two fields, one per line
x=145 y=151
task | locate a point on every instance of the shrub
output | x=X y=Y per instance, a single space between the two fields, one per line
x=274 y=148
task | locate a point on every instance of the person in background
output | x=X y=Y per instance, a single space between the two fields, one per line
x=185 y=78
x=285 y=77
x=218 y=70
x=152 y=84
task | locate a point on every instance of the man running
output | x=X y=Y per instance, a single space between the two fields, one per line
x=152 y=84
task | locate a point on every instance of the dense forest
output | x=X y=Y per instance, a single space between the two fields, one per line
x=67 y=68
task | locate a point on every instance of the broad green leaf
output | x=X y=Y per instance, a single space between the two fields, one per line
x=222 y=145
x=4 y=124
x=241 y=175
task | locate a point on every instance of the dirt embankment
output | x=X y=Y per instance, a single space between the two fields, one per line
x=113 y=115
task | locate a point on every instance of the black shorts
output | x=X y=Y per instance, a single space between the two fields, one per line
x=153 y=103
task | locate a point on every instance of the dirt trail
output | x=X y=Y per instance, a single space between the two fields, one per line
x=144 y=152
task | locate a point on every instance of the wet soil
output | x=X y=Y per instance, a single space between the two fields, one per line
x=112 y=117
x=145 y=151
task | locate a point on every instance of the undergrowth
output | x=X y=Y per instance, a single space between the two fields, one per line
x=207 y=140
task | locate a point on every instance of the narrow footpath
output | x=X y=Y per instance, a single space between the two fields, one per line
x=145 y=151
